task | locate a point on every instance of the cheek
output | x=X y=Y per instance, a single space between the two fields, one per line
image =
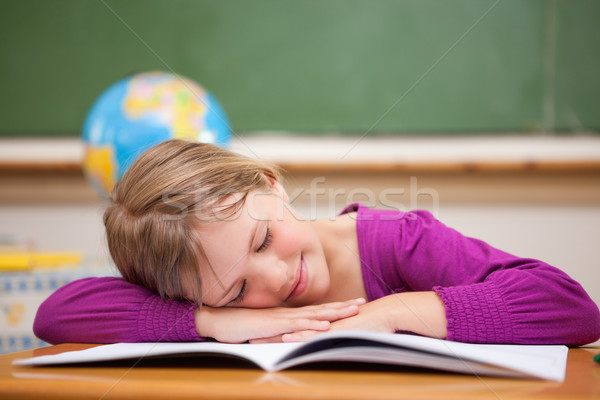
x=292 y=238
x=258 y=300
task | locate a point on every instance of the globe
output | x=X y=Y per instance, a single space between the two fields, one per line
x=141 y=111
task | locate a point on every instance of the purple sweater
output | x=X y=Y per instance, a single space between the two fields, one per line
x=490 y=296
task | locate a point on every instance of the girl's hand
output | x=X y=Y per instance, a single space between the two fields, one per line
x=238 y=325
x=418 y=312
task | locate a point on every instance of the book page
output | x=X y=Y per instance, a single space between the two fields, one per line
x=545 y=362
x=263 y=355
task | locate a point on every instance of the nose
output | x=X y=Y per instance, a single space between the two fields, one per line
x=273 y=274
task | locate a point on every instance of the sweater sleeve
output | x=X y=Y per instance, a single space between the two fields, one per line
x=491 y=296
x=111 y=310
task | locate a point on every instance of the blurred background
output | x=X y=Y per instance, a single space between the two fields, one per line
x=313 y=66
x=485 y=112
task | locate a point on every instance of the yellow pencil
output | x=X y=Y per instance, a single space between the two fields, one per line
x=24 y=260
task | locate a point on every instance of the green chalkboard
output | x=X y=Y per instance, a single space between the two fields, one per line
x=313 y=66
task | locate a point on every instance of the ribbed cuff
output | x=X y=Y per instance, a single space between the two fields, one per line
x=476 y=314
x=166 y=321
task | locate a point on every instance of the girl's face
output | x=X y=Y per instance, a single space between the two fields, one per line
x=263 y=256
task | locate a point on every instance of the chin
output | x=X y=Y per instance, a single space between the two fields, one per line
x=319 y=293
x=318 y=283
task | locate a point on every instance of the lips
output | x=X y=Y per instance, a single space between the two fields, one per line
x=300 y=280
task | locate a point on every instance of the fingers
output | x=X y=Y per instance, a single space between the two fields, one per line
x=328 y=311
x=298 y=336
x=306 y=321
x=334 y=314
x=273 y=339
x=320 y=318
x=291 y=321
x=275 y=327
x=300 y=324
x=237 y=325
x=333 y=305
x=359 y=301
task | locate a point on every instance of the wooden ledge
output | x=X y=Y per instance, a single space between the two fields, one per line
x=363 y=167
x=343 y=154
x=40 y=167
x=445 y=167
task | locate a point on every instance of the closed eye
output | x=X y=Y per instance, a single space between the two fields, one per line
x=238 y=299
x=265 y=244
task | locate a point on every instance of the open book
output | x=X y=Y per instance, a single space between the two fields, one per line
x=543 y=362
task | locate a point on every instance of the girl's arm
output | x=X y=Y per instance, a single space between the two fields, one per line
x=415 y=312
x=111 y=310
x=490 y=296
x=426 y=278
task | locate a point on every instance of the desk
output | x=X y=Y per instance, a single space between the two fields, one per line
x=189 y=379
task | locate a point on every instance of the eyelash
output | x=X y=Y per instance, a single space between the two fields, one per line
x=265 y=244
x=267 y=241
x=240 y=296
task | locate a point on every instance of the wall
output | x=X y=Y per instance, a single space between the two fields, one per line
x=341 y=66
x=553 y=216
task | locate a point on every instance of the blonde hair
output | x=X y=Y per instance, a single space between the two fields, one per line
x=151 y=223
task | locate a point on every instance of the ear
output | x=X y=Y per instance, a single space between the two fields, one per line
x=279 y=189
